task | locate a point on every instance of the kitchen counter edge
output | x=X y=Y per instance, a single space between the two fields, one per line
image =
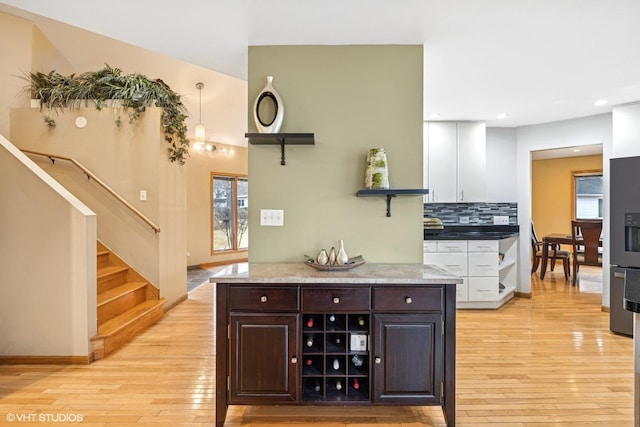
x=369 y=273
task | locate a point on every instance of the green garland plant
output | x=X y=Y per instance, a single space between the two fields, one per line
x=108 y=87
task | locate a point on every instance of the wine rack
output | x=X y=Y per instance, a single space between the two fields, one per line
x=336 y=357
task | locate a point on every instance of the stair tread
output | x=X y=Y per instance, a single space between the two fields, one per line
x=105 y=271
x=122 y=320
x=111 y=294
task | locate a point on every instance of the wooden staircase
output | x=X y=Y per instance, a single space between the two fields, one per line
x=127 y=303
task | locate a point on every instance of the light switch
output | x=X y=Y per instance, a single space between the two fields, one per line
x=143 y=195
x=272 y=217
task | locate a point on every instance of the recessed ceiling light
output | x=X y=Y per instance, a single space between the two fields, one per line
x=600 y=102
x=502 y=116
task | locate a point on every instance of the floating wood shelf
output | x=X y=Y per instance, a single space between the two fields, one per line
x=391 y=192
x=280 y=139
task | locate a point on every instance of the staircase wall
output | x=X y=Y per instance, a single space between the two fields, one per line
x=47 y=257
x=129 y=158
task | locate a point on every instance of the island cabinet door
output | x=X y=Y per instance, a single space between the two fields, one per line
x=263 y=360
x=407 y=358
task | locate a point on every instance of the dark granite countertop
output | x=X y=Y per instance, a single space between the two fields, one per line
x=473 y=232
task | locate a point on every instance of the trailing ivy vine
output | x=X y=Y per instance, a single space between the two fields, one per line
x=109 y=87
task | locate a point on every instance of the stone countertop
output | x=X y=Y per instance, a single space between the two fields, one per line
x=369 y=273
x=482 y=232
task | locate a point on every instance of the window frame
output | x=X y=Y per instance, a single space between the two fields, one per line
x=236 y=178
x=578 y=174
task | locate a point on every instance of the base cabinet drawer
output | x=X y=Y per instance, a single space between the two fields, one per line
x=338 y=299
x=483 y=288
x=483 y=264
x=455 y=263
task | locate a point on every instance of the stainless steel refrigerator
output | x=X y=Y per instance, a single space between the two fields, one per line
x=624 y=236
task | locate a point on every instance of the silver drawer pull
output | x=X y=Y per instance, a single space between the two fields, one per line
x=336 y=300
x=378 y=360
x=408 y=300
x=263 y=298
x=618 y=275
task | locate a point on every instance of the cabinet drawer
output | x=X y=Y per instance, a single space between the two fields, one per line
x=452 y=245
x=483 y=288
x=429 y=246
x=263 y=299
x=483 y=246
x=341 y=299
x=407 y=299
x=483 y=264
x=455 y=263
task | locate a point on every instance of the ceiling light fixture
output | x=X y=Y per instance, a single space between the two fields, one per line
x=600 y=102
x=199 y=139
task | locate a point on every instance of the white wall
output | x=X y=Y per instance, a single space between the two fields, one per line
x=626 y=131
x=567 y=133
x=501 y=165
x=47 y=257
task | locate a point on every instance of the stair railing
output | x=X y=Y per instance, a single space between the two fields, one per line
x=91 y=175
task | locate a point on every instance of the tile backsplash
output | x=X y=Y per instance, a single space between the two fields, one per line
x=477 y=213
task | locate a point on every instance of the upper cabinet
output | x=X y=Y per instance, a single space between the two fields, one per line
x=455 y=161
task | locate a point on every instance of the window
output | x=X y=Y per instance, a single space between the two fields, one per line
x=230 y=212
x=588 y=195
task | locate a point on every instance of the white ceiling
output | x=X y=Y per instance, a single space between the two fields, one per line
x=536 y=60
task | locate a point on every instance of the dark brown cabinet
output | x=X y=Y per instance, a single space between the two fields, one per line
x=263 y=358
x=322 y=344
x=407 y=358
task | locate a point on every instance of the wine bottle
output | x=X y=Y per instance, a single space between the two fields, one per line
x=338 y=340
x=338 y=385
x=317 y=386
x=336 y=364
x=360 y=320
x=357 y=360
x=309 y=362
x=332 y=318
x=356 y=383
x=310 y=322
x=310 y=341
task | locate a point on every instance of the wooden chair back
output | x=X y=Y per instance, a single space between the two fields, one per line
x=586 y=241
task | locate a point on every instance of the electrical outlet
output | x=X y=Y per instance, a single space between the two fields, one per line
x=464 y=220
x=501 y=220
x=272 y=217
x=143 y=195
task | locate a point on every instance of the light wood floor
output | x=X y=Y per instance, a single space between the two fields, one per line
x=549 y=360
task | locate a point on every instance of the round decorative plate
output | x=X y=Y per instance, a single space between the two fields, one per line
x=353 y=263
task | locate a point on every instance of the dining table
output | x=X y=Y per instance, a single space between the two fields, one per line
x=555 y=238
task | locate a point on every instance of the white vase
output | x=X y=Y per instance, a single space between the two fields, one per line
x=377 y=171
x=342 y=257
x=322 y=257
x=332 y=256
x=268 y=109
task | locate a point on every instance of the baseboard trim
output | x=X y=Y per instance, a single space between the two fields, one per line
x=522 y=294
x=219 y=263
x=183 y=298
x=46 y=360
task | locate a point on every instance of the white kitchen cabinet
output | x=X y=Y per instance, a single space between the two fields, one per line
x=455 y=166
x=487 y=267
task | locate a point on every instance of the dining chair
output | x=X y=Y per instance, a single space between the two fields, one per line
x=554 y=253
x=585 y=236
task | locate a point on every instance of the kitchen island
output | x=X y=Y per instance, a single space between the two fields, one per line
x=378 y=334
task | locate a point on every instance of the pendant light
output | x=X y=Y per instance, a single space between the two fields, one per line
x=199 y=144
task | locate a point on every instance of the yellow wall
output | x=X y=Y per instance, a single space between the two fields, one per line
x=552 y=191
x=353 y=98
x=199 y=168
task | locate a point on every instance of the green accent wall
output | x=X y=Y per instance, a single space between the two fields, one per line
x=352 y=98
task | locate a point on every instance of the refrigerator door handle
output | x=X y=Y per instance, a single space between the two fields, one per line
x=618 y=275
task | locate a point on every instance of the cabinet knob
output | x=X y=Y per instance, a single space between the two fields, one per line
x=378 y=360
x=408 y=300
x=336 y=300
x=294 y=360
x=263 y=298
